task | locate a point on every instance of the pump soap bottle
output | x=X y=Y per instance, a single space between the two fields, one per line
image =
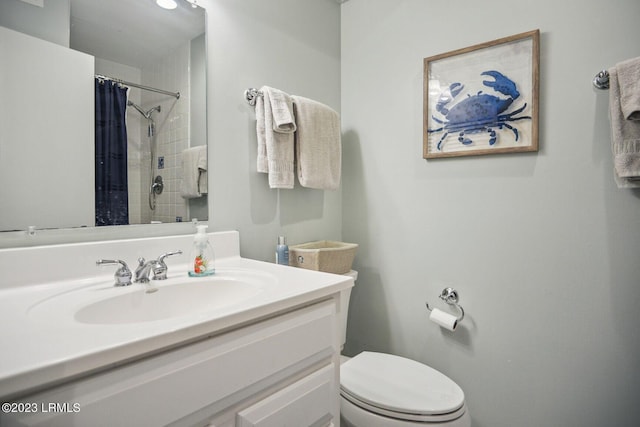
x=282 y=251
x=202 y=256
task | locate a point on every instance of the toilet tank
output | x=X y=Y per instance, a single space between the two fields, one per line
x=345 y=296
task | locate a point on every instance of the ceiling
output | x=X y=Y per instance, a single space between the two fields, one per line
x=132 y=32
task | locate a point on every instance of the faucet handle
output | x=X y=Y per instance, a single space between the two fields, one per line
x=163 y=256
x=160 y=268
x=122 y=275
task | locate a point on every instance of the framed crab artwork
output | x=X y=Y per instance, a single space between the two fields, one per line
x=482 y=99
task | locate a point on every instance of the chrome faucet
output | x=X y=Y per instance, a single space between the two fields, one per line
x=143 y=270
x=158 y=267
x=122 y=275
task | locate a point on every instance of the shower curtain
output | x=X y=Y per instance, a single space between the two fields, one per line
x=112 y=203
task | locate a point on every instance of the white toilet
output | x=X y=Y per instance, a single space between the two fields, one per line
x=383 y=390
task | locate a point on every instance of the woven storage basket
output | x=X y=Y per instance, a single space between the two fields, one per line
x=324 y=255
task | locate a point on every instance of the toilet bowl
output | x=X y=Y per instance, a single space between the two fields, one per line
x=383 y=390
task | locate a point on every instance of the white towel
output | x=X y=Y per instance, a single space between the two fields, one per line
x=625 y=137
x=203 y=179
x=275 y=126
x=194 y=172
x=282 y=110
x=629 y=82
x=318 y=144
x=263 y=163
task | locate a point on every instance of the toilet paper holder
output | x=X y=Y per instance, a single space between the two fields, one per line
x=450 y=296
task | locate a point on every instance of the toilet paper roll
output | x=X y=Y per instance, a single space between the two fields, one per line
x=446 y=320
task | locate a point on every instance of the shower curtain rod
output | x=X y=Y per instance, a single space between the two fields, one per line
x=139 y=86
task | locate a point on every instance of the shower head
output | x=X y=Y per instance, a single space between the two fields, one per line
x=146 y=114
x=140 y=110
x=156 y=108
x=151 y=129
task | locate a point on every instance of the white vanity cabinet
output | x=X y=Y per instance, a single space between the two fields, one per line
x=277 y=371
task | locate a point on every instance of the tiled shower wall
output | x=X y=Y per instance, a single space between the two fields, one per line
x=171 y=134
x=172 y=131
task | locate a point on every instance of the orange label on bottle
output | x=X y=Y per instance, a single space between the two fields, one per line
x=199 y=264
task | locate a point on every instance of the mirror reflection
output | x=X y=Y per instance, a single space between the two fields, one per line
x=142 y=158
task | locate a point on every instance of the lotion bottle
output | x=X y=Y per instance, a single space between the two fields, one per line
x=202 y=256
x=282 y=251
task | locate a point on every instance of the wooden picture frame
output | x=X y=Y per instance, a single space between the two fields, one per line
x=482 y=99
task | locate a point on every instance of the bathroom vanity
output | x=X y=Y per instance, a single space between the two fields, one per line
x=255 y=345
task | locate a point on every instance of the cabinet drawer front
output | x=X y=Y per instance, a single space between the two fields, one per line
x=213 y=373
x=305 y=403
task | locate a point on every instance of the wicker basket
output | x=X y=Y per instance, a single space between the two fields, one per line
x=324 y=255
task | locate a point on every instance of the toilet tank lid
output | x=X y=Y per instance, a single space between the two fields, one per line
x=398 y=384
x=352 y=273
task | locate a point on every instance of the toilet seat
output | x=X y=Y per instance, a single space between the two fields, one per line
x=400 y=388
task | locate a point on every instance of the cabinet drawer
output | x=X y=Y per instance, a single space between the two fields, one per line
x=305 y=403
x=213 y=374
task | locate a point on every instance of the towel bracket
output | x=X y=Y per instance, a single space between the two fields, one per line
x=601 y=80
x=251 y=95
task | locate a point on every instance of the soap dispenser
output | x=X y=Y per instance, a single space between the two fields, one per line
x=282 y=251
x=202 y=256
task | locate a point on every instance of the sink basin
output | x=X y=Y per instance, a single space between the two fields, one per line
x=167 y=302
x=104 y=304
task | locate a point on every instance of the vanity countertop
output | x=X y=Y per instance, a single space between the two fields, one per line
x=52 y=346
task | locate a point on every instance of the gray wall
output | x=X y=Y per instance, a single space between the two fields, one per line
x=293 y=45
x=543 y=248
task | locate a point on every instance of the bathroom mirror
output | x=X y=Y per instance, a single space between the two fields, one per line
x=135 y=43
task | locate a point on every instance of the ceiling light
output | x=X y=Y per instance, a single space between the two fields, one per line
x=167 y=4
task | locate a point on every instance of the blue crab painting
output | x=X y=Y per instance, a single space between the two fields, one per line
x=478 y=113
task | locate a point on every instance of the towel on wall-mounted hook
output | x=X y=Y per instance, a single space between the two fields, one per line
x=275 y=127
x=624 y=115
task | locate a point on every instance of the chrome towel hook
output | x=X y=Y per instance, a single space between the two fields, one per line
x=450 y=296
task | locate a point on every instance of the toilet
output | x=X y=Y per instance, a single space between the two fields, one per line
x=383 y=390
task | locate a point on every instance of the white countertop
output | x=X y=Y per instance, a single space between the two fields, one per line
x=44 y=349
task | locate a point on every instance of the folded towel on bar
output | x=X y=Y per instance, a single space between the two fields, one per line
x=275 y=126
x=318 y=144
x=282 y=110
x=625 y=136
x=629 y=82
x=263 y=164
x=194 y=172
